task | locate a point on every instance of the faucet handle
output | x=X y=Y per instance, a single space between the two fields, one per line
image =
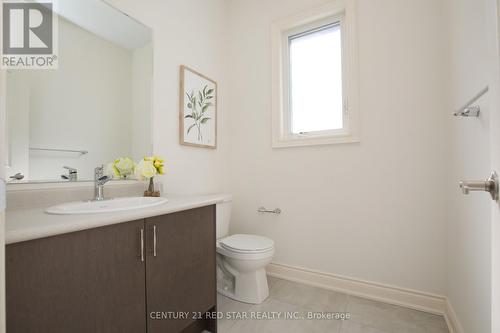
x=70 y=169
x=103 y=180
x=72 y=174
x=17 y=176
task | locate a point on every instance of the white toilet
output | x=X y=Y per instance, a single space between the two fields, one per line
x=241 y=260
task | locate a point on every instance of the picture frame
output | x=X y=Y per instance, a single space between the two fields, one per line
x=197 y=109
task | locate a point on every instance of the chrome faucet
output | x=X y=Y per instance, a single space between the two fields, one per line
x=17 y=176
x=72 y=175
x=100 y=180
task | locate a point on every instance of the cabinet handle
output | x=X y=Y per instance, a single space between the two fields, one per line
x=142 y=244
x=154 y=241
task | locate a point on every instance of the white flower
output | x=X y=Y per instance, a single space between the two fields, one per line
x=112 y=171
x=125 y=166
x=145 y=169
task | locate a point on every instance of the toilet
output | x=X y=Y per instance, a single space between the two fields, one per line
x=241 y=260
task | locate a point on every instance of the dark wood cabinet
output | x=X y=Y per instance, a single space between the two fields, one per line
x=96 y=281
x=88 y=281
x=182 y=276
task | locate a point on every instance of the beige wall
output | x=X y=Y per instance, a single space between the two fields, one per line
x=192 y=33
x=374 y=210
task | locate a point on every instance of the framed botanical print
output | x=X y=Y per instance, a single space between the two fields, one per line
x=198 y=109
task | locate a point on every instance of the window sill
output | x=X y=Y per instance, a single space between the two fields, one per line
x=314 y=141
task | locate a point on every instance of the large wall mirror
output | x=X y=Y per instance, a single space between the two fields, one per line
x=94 y=108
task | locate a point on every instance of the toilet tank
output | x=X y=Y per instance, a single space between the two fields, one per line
x=223 y=216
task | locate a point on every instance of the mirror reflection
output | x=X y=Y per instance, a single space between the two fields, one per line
x=94 y=108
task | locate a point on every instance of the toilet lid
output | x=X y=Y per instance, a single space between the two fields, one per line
x=247 y=243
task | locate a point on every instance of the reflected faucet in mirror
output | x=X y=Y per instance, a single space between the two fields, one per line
x=72 y=175
x=100 y=180
x=17 y=176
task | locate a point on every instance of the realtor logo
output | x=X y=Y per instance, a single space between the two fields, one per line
x=29 y=35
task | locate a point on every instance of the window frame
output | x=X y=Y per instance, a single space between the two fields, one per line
x=283 y=136
x=287 y=82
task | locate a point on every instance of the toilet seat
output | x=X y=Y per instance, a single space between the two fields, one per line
x=250 y=244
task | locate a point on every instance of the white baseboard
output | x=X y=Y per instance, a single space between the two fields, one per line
x=452 y=320
x=408 y=298
x=379 y=292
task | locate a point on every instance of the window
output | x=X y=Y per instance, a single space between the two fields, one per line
x=313 y=80
x=315 y=85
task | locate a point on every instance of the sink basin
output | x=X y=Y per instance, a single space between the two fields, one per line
x=106 y=206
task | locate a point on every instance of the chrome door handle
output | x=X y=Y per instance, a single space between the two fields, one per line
x=276 y=211
x=155 y=241
x=489 y=185
x=142 y=244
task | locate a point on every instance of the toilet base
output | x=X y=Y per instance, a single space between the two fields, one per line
x=249 y=288
x=243 y=280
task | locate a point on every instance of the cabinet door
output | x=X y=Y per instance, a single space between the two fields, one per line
x=181 y=277
x=88 y=281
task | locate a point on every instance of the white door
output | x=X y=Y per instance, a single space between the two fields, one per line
x=495 y=161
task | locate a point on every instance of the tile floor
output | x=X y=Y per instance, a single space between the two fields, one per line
x=366 y=316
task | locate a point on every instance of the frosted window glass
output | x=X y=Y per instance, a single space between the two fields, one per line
x=316 y=101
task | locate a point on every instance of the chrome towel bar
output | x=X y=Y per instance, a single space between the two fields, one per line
x=81 y=152
x=276 y=211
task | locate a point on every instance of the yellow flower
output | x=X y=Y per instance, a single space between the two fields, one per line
x=157 y=162
x=112 y=171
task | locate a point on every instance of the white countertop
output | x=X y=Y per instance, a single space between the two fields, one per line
x=28 y=224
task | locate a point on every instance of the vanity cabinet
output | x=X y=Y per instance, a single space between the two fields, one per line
x=180 y=272
x=110 y=279
x=88 y=281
